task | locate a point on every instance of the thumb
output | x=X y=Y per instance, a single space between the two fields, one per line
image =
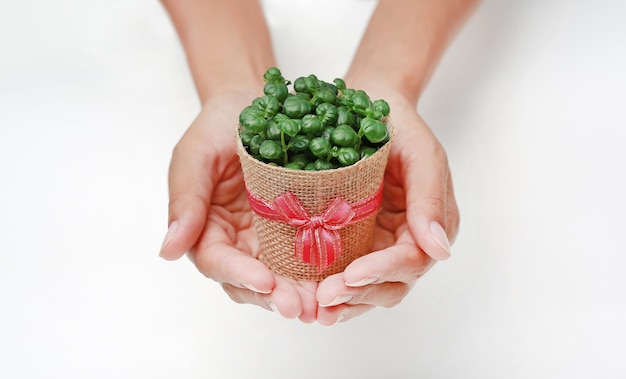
x=187 y=217
x=190 y=191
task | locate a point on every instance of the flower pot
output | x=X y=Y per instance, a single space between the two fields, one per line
x=312 y=224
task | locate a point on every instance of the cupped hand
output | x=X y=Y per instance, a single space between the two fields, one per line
x=418 y=221
x=210 y=218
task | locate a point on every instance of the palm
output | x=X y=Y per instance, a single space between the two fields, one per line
x=392 y=218
x=230 y=223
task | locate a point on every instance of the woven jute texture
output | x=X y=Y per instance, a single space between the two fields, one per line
x=316 y=190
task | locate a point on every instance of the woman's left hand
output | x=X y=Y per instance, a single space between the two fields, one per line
x=414 y=229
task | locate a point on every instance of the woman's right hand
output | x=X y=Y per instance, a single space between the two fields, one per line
x=210 y=218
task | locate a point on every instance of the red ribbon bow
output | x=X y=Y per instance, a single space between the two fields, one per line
x=317 y=239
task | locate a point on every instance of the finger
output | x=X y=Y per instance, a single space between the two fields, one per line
x=403 y=262
x=341 y=313
x=452 y=212
x=246 y=296
x=334 y=292
x=426 y=182
x=190 y=189
x=225 y=264
x=284 y=299
x=381 y=278
x=307 y=291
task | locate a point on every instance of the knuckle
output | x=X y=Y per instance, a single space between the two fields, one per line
x=183 y=200
x=178 y=150
x=439 y=153
x=437 y=200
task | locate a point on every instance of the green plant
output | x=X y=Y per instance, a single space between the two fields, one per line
x=318 y=126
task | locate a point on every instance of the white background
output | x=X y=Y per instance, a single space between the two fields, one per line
x=528 y=101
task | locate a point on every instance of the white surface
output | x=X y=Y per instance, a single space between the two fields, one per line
x=529 y=102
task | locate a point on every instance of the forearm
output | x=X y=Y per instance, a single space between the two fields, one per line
x=226 y=42
x=405 y=40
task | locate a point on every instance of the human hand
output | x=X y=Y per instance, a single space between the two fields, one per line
x=210 y=217
x=418 y=221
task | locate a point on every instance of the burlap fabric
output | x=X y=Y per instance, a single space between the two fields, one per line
x=316 y=190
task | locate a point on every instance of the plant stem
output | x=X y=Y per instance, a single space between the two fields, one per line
x=284 y=146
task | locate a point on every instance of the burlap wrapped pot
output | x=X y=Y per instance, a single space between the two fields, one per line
x=316 y=190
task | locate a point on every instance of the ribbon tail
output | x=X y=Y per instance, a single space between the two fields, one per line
x=317 y=246
x=304 y=245
x=328 y=243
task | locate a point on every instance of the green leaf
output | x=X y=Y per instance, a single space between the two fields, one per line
x=253 y=122
x=327 y=132
x=325 y=95
x=322 y=164
x=381 y=106
x=255 y=144
x=299 y=143
x=289 y=127
x=300 y=160
x=344 y=135
x=347 y=156
x=299 y=85
x=272 y=131
x=278 y=90
x=320 y=147
x=311 y=124
x=296 y=107
x=273 y=75
x=327 y=113
x=360 y=102
x=345 y=117
x=368 y=151
x=374 y=130
x=270 y=150
x=246 y=136
x=268 y=105
x=340 y=83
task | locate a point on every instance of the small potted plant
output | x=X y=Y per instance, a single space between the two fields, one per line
x=313 y=161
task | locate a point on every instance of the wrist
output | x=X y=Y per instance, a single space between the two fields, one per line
x=385 y=78
x=383 y=84
x=234 y=79
x=226 y=43
x=232 y=96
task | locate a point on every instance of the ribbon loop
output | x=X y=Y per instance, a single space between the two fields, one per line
x=317 y=238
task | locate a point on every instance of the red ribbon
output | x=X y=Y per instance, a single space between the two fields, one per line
x=317 y=239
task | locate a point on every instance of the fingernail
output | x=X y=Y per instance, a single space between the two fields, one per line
x=253 y=288
x=341 y=318
x=439 y=236
x=363 y=282
x=338 y=300
x=171 y=232
x=273 y=306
